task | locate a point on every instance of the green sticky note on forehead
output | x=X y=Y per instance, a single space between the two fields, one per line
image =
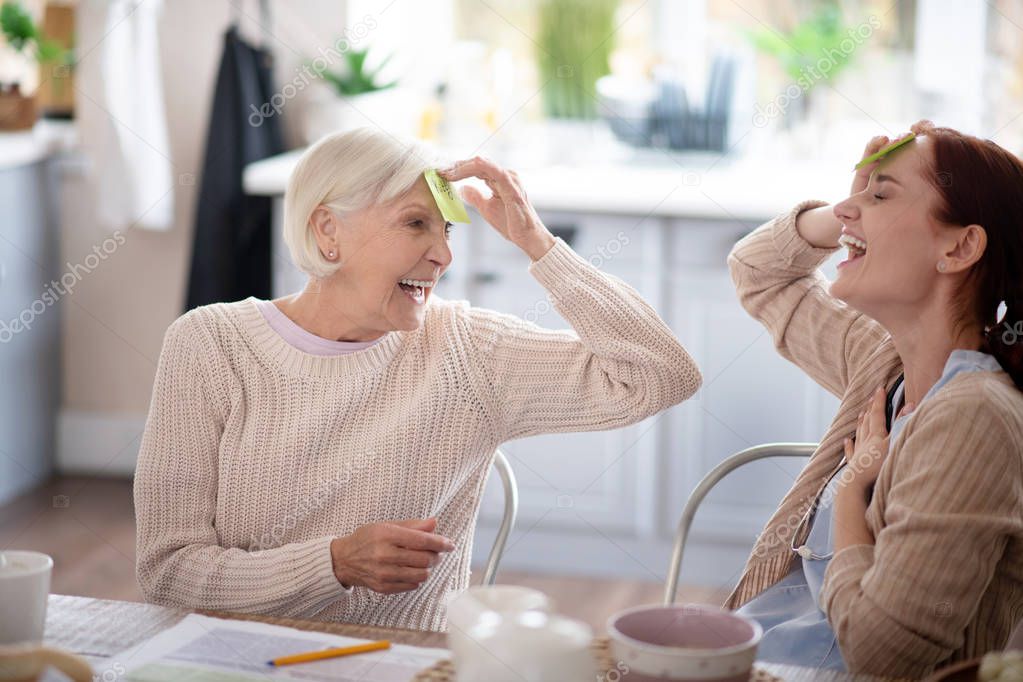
x=448 y=201
x=884 y=151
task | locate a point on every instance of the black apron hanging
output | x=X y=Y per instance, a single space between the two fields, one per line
x=231 y=250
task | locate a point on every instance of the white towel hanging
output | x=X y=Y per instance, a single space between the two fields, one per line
x=134 y=175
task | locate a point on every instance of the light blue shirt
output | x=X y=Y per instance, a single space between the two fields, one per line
x=796 y=631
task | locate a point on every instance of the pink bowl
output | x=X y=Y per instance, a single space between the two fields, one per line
x=684 y=642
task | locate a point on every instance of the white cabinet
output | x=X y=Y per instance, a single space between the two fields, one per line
x=569 y=481
x=29 y=328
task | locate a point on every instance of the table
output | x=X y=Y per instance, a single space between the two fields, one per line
x=99 y=629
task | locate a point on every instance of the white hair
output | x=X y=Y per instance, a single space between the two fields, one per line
x=347 y=172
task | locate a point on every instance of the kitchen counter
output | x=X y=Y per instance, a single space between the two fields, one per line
x=713 y=187
x=23 y=147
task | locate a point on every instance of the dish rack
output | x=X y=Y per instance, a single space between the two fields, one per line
x=666 y=120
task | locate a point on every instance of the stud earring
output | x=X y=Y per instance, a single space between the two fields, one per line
x=942 y=266
x=330 y=254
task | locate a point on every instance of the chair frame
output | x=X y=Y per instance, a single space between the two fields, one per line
x=511 y=510
x=726 y=467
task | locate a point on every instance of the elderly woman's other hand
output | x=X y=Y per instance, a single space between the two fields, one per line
x=388 y=557
x=507 y=209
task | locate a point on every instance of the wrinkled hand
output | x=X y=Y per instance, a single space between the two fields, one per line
x=507 y=209
x=866 y=455
x=388 y=557
x=862 y=175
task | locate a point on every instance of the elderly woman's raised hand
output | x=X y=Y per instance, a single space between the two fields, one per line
x=388 y=557
x=507 y=209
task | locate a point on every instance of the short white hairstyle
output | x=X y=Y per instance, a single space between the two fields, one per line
x=347 y=172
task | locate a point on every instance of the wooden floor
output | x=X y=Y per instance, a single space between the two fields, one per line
x=87 y=525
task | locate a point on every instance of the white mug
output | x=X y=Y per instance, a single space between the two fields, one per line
x=529 y=647
x=24 y=589
x=483 y=603
x=465 y=608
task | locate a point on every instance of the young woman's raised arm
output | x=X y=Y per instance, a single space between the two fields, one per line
x=775 y=271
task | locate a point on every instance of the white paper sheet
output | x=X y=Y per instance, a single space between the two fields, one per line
x=204 y=649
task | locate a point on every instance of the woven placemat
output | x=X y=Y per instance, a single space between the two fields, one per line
x=444 y=671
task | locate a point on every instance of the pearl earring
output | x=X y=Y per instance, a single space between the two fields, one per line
x=942 y=266
x=330 y=254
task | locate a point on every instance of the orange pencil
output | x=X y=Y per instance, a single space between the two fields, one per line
x=331 y=653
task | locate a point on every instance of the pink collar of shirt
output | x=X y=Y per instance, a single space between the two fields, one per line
x=305 y=341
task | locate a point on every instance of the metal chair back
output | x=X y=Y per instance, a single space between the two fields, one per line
x=511 y=510
x=709 y=481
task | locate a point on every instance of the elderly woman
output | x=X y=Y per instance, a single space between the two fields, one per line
x=323 y=455
x=900 y=547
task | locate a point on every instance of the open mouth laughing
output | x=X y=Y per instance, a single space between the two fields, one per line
x=856 y=247
x=417 y=289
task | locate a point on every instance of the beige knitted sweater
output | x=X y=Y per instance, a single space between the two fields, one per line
x=256 y=455
x=944 y=579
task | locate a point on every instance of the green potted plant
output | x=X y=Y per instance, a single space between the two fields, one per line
x=574 y=43
x=357 y=78
x=355 y=94
x=800 y=51
x=17 y=109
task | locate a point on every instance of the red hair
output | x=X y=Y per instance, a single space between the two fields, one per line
x=981 y=183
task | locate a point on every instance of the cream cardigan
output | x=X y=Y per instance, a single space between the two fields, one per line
x=944 y=580
x=256 y=455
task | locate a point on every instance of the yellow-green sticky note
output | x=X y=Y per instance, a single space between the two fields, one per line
x=448 y=201
x=883 y=151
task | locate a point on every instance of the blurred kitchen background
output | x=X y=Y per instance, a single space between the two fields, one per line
x=651 y=135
